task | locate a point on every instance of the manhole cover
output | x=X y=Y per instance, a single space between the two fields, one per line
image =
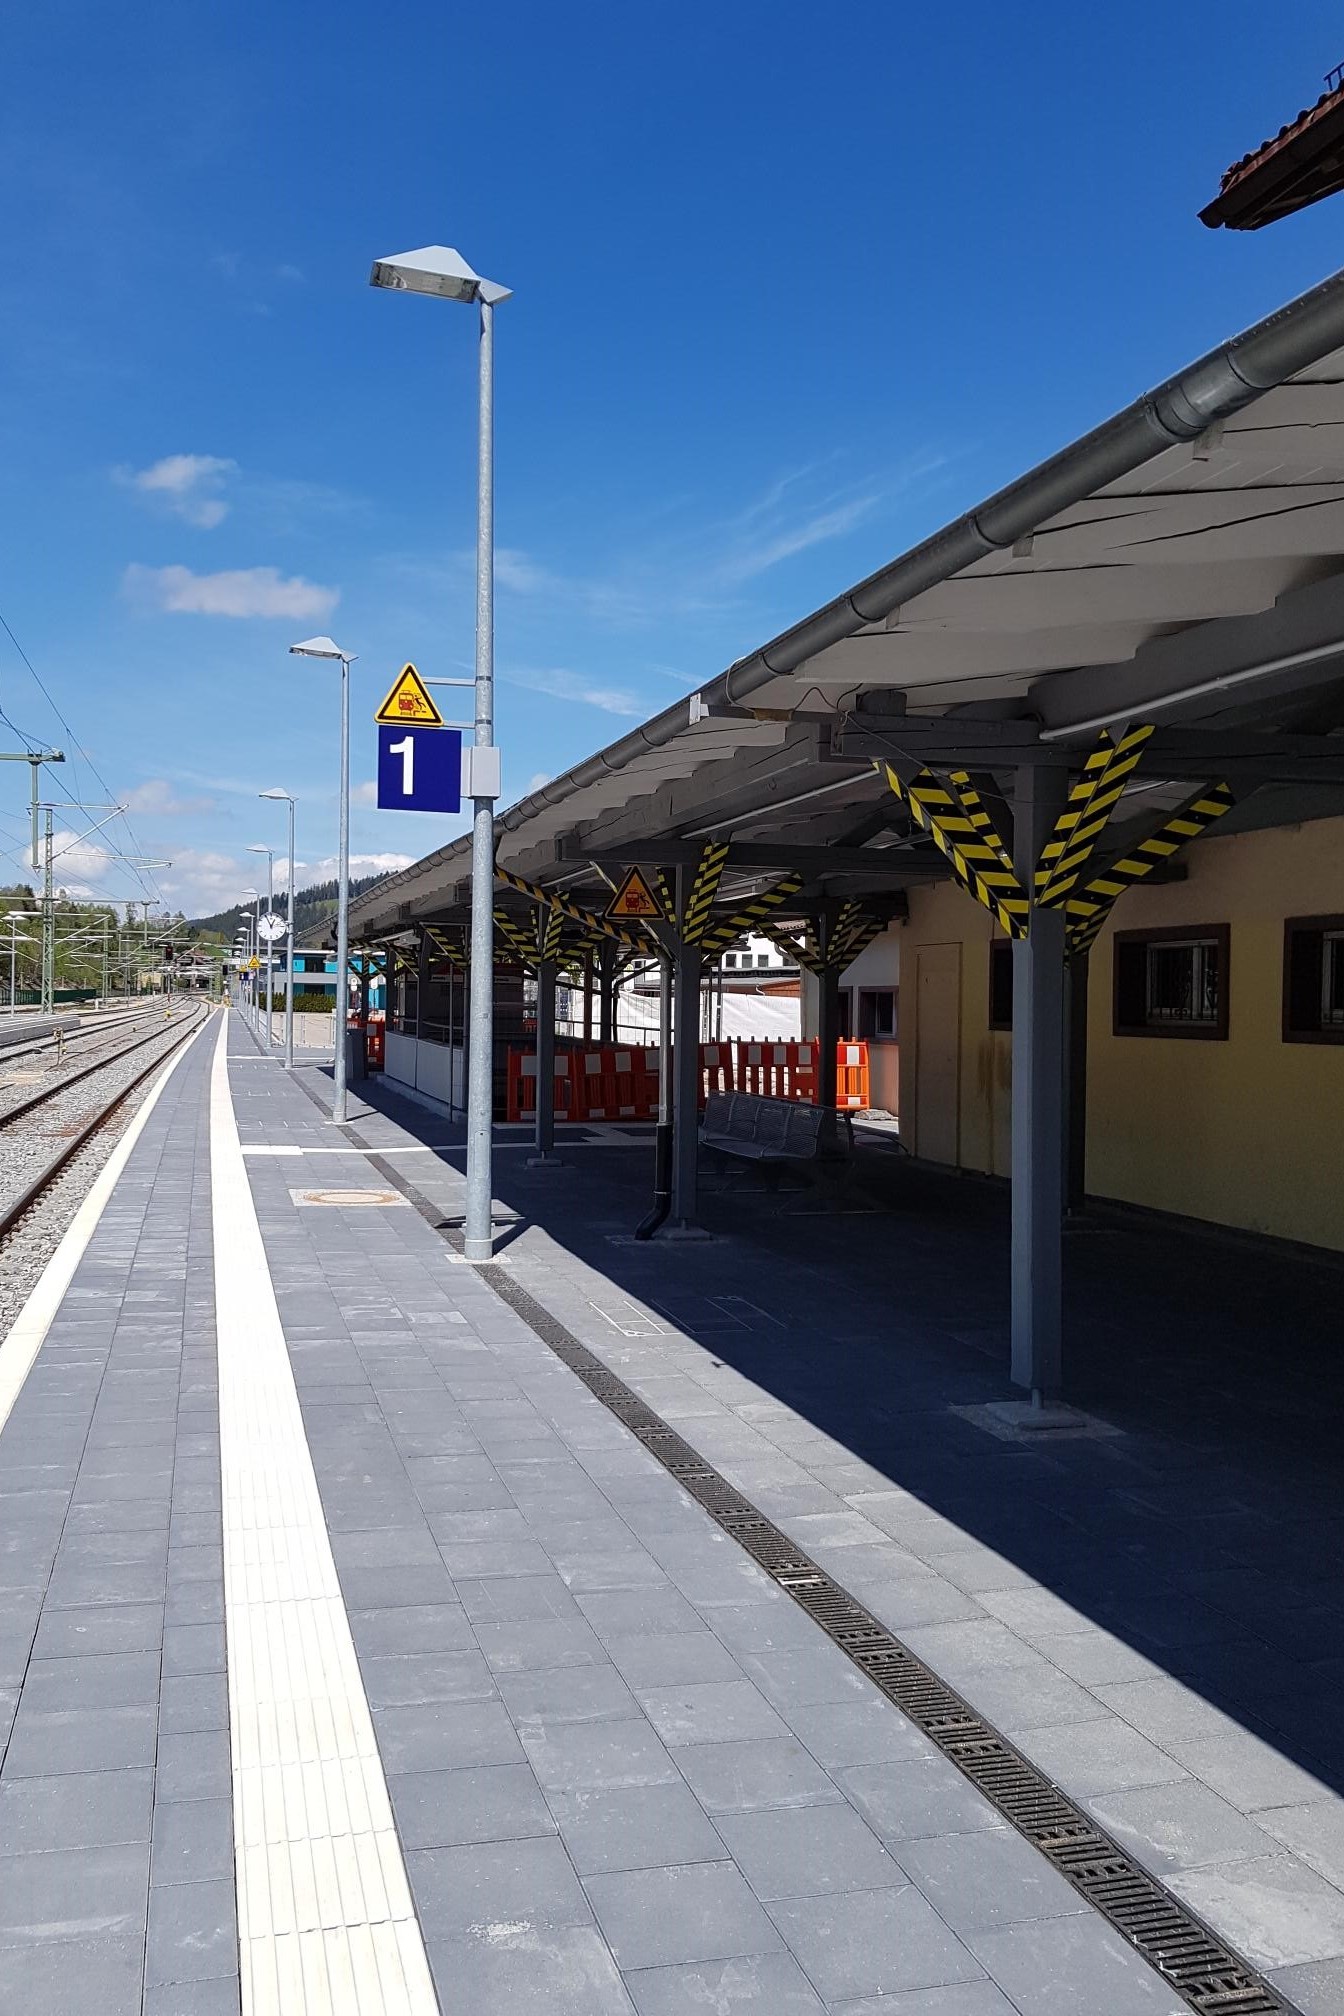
x=347 y=1198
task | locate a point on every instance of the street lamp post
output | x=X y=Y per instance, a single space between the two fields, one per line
x=443 y=274
x=323 y=647
x=254 y=936
x=289 y=907
x=269 y=852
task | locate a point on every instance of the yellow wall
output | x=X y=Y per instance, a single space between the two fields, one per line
x=1247 y=1132
x=943 y=915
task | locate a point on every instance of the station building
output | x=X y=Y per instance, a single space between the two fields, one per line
x=1048 y=811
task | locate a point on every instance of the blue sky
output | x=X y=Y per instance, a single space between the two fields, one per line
x=793 y=286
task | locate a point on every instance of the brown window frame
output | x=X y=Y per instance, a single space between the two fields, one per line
x=1175 y=934
x=871 y=993
x=1302 y=927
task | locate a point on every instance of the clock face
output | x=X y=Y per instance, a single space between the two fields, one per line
x=272 y=926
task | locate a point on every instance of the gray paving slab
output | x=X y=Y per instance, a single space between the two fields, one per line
x=119 y=1436
x=588 y=1699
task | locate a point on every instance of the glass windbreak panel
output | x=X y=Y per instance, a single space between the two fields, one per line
x=1183 y=984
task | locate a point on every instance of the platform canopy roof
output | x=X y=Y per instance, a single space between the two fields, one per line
x=1182 y=564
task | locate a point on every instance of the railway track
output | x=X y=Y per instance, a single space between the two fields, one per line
x=54 y=1041
x=41 y=1135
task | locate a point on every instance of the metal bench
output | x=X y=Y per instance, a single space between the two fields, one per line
x=770 y=1131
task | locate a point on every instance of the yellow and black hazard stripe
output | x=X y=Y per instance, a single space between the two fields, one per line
x=846 y=918
x=516 y=936
x=793 y=948
x=1089 y=909
x=976 y=862
x=860 y=936
x=550 y=925
x=704 y=888
x=1090 y=804
x=978 y=813
x=448 y=944
x=752 y=915
x=590 y=923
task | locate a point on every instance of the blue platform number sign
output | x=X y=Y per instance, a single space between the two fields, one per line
x=419 y=769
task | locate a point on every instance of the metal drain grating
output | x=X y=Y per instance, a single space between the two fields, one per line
x=1187 y=1953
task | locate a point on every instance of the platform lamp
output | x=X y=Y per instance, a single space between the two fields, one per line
x=444 y=275
x=323 y=647
x=254 y=923
x=269 y=852
x=289 y=908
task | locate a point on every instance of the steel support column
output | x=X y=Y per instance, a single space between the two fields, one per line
x=1075 y=1085
x=606 y=992
x=1038 y=1099
x=828 y=1029
x=545 y=1118
x=685 y=1068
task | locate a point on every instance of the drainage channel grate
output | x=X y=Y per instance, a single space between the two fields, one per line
x=1211 y=1978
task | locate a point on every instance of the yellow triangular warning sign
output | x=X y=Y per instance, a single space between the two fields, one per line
x=409 y=701
x=635 y=898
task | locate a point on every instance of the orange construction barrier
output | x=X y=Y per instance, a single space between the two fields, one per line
x=522 y=1085
x=851 y=1077
x=783 y=1071
x=374 y=1045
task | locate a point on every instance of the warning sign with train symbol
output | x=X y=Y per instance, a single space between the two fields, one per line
x=636 y=899
x=409 y=701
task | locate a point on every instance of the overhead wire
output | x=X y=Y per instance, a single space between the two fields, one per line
x=147 y=882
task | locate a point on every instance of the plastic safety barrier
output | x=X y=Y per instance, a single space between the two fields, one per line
x=522 y=1085
x=783 y=1071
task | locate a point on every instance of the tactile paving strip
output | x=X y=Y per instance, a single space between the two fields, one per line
x=326 y=1926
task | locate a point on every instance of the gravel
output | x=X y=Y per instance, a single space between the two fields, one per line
x=29 y=1144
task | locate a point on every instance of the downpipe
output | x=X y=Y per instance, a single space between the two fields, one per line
x=662 y=1181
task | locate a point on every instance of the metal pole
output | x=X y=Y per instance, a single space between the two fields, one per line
x=13 y=948
x=545 y=1120
x=478 y=1241
x=289 y=962
x=338 y=1103
x=685 y=1068
x=48 y=926
x=270 y=912
x=1038 y=1100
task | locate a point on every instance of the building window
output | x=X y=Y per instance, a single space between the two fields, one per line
x=1001 y=984
x=877 y=1014
x=1172 y=983
x=730 y=958
x=762 y=958
x=1313 y=980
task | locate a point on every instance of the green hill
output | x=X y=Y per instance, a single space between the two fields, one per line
x=314 y=907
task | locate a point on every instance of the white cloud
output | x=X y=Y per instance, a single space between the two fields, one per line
x=157 y=796
x=535 y=782
x=360 y=864
x=572 y=686
x=365 y=793
x=786 y=540
x=79 y=865
x=187 y=485
x=244 y=591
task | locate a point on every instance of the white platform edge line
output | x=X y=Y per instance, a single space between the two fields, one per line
x=296 y=1695
x=27 y=1334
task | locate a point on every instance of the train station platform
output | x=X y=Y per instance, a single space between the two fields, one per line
x=358 y=1653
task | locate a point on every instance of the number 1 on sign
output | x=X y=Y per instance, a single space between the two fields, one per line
x=406 y=750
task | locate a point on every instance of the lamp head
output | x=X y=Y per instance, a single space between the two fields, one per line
x=321 y=647
x=286 y=795
x=438 y=270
